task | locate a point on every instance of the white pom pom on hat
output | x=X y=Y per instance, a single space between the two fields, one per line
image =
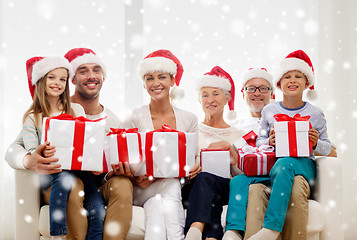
x=298 y=60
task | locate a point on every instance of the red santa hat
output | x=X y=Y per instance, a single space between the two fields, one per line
x=79 y=56
x=161 y=60
x=218 y=78
x=298 y=60
x=257 y=73
x=38 y=67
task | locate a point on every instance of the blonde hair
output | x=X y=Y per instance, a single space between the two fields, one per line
x=40 y=105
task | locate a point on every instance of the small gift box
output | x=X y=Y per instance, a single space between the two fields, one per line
x=123 y=145
x=79 y=141
x=256 y=161
x=292 y=136
x=248 y=139
x=168 y=153
x=216 y=161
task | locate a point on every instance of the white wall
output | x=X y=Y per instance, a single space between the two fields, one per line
x=202 y=33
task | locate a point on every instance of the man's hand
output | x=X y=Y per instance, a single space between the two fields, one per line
x=121 y=170
x=39 y=164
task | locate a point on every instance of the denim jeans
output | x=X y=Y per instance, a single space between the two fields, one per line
x=93 y=203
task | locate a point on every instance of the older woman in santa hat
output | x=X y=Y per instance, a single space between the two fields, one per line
x=161 y=198
x=210 y=192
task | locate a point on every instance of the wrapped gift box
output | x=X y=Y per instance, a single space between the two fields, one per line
x=254 y=161
x=123 y=145
x=248 y=139
x=168 y=153
x=216 y=161
x=79 y=141
x=292 y=138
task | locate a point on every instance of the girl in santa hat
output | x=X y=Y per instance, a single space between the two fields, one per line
x=208 y=193
x=48 y=84
x=295 y=74
x=161 y=198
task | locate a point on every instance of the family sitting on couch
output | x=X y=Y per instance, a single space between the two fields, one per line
x=107 y=198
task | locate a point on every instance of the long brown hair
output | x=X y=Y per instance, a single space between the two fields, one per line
x=40 y=103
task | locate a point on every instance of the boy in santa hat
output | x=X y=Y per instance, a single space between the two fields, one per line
x=295 y=74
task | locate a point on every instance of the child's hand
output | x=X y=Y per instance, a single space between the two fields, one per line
x=313 y=136
x=272 y=138
x=49 y=151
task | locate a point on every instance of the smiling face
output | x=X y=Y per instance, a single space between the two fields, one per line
x=56 y=81
x=213 y=101
x=158 y=85
x=257 y=100
x=293 y=83
x=89 y=80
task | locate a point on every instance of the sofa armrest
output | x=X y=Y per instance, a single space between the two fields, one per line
x=27 y=205
x=328 y=192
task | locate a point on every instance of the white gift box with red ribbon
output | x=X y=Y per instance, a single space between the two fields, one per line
x=123 y=145
x=167 y=153
x=256 y=161
x=248 y=139
x=78 y=141
x=292 y=136
x=216 y=161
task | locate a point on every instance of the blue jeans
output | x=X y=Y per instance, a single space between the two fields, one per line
x=281 y=178
x=60 y=189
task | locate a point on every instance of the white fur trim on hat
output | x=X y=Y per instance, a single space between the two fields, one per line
x=156 y=64
x=213 y=81
x=88 y=58
x=47 y=64
x=257 y=73
x=290 y=64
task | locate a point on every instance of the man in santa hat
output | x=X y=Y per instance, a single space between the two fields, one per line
x=90 y=73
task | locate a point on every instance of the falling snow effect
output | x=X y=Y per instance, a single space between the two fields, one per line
x=270 y=30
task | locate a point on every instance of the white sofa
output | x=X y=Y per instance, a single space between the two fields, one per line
x=325 y=212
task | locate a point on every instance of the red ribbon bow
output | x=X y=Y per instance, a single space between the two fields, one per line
x=122 y=131
x=181 y=150
x=123 y=153
x=287 y=118
x=79 y=131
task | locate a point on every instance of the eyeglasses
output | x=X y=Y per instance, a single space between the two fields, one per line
x=262 y=89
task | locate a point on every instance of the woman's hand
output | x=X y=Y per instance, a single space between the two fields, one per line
x=313 y=136
x=272 y=138
x=143 y=181
x=194 y=171
x=224 y=145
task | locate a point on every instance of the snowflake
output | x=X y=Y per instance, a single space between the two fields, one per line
x=28 y=219
x=310 y=27
x=57 y=215
x=112 y=228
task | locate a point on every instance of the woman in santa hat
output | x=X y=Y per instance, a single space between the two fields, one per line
x=161 y=198
x=210 y=192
